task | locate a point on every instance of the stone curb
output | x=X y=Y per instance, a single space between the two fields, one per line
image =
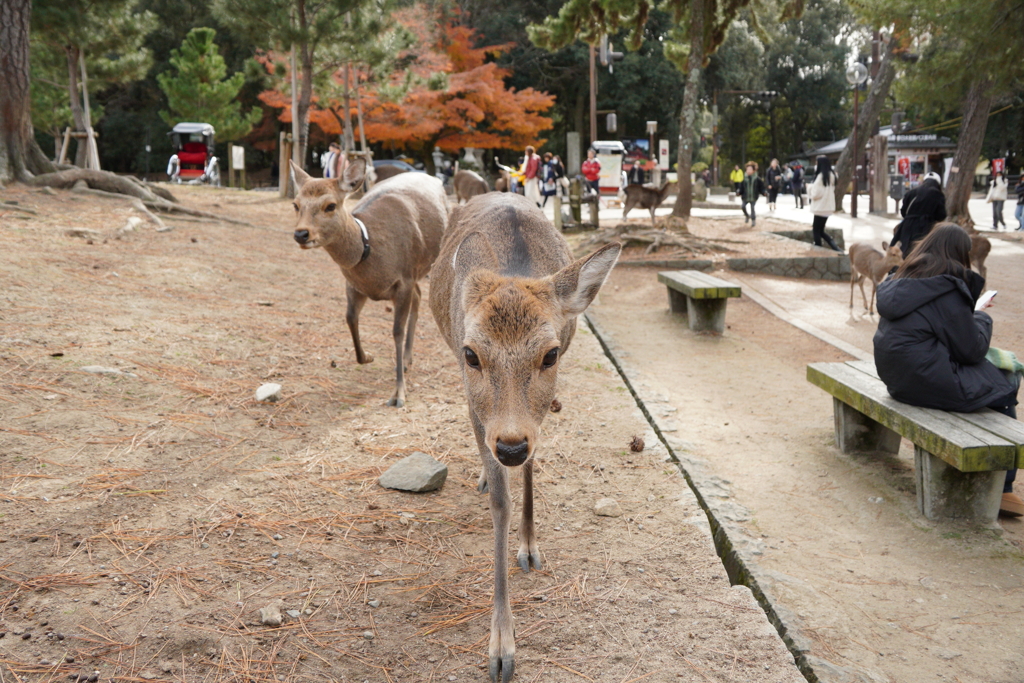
x=683 y=264
x=734 y=546
x=807 y=267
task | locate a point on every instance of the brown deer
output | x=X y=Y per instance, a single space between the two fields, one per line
x=468 y=184
x=866 y=261
x=980 y=247
x=505 y=294
x=647 y=197
x=384 y=245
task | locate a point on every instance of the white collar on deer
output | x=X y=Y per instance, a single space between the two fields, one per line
x=366 y=238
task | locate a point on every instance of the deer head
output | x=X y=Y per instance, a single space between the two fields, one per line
x=514 y=332
x=893 y=256
x=323 y=219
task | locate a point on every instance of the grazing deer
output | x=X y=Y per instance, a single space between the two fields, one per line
x=384 y=245
x=866 y=261
x=505 y=294
x=980 y=247
x=647 y=197
x=468 y=184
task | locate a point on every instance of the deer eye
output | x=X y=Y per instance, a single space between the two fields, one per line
x=330 y=207
x=550 y=358
x=472 y=360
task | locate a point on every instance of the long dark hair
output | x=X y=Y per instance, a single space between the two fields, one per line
x=824 y=170
x=946 y=250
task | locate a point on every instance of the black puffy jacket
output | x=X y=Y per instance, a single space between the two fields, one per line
x=923 y=207
x=930 y=345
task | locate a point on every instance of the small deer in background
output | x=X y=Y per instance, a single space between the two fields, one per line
x=505 y=294
x=384 y=245
x=647 y=197
x=468 y=184
x=866 y=261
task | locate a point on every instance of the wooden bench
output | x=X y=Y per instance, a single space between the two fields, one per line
x=700 y=296
x=960 y=458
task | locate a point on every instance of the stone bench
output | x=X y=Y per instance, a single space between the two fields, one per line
x=700 y=296
x=960 y=458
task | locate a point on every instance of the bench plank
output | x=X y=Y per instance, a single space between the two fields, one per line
x=962 y=444
x=1001 y=425
x=698 y=285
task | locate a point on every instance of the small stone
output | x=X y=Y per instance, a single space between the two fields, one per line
x=308 y=611
x=26 y=635
x=149 y=675
x=87 y=233
x=374 y=603
x=271 y=614
x=275 y=555
x=278 y=537
x=60 y=636
x=368 y=635
x=673 y=611
x=377 y=572
x=166 y=667
x=294 y=613
x=204 y=546
x=269 y=392
x=607 y=507
x=416 y=473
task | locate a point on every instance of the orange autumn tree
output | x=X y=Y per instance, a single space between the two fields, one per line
x=449 y=96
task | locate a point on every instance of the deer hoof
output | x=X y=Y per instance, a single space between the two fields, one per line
x=395 y=402
x=481 y=486
x=502 y=667
x=367 y=358
x=526 y=559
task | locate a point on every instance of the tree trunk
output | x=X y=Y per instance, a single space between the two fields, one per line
x=347 y=121
x=868 y=115
x=968 y=149
x=688 y=115
x=305 y=97
x=20 y=156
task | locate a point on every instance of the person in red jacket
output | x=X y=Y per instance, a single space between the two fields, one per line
x=592 y=171
x=531 y=170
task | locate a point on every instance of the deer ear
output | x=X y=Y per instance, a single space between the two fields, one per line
x=577 y=284
x=885 y=246
x=353 y=175
x=301 y=177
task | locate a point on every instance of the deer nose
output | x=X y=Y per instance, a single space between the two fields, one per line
x=512 y=454
x=302 y=236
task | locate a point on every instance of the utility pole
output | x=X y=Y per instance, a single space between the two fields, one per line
x=593 y=96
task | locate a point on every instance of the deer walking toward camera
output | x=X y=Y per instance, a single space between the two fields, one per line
x=505 y=293
x=384 y=245
x=866 y=261
x=647 y=197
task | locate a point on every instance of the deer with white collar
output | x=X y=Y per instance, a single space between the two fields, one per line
x=505 y=294
x=384 y=243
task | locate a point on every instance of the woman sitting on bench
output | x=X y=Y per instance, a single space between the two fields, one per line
x=930 y=345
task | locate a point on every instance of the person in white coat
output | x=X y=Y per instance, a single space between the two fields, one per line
x=823 y=201
x=997 y=197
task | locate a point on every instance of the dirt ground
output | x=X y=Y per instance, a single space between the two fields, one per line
x=717 y=239
x=871 y=589
x=146 y=516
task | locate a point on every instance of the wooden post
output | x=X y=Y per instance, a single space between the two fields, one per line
x=92 y=157
x=62 y=158
x=284 y=175
x=231 y=166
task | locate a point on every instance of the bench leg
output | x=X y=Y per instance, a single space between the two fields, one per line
x=706 y=315
x=856 y=432
x=676 y=301
x=944 y=492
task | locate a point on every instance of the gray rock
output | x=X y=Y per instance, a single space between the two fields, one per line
x=368 y=635
x=271 y=614
x=417 y=473
x=607 y=507
x=294 y=613
x=269 y=392
x=374 y=603
x=85 y=233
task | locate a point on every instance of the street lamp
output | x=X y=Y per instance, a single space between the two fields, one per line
x=855 y=76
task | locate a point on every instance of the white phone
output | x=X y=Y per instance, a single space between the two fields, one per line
x=984 y=299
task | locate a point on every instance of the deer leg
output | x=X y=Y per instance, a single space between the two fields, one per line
x=410 y=328
x=502 y=646
x=853 y=281
x=528 y=552
x=874 y=288
x=654 y=223
x=478 y=429
x=356 y=301
x=403 y=302
x=862 y=295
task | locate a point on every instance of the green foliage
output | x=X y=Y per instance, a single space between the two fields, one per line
x=201 y=90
